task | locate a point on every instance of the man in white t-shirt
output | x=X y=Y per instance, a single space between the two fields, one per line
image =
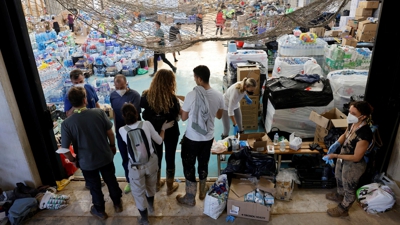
x=200 y=108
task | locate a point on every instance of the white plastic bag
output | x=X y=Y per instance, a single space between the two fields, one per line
x=213 y=206
x=376 y=198
x=218 y=147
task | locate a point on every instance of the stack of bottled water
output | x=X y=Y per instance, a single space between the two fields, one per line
x=290 y=45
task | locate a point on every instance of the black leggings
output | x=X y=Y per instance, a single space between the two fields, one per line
x=71 y=27
x=201 y=27
x=171 y=142
x=216 y=32
x=162 y=55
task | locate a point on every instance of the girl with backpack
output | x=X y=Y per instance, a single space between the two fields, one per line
x=160 y=103
x=142 y=177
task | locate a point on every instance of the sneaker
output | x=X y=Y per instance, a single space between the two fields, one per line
x=127 y=188
x=174 y=69
x=99 y=215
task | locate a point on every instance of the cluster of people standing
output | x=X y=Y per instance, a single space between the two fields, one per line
x=90 y=132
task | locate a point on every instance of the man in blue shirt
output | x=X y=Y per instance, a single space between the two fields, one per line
x=78 y=80
x=119 y=98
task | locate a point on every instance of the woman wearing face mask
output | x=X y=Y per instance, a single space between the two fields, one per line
x=350 y=164
x=118 y=98
x=160 y=104
x=232 y=97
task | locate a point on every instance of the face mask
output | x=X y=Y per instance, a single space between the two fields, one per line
x=250 y=92
x=352 y=118
x=121 y=92
x=79 y=85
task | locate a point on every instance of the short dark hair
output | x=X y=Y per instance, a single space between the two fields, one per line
x=203 y=72
x=158 y=22
x=74 y=74
x=178 y=23
x=129 y=113
x=52 y=17
x=363 y=107
x=76 y=96
x=119 y=76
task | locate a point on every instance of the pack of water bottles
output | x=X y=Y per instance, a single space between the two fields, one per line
x=338 y=57
x=290 y=45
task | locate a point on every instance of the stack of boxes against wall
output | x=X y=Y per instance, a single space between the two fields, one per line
x=250 y=112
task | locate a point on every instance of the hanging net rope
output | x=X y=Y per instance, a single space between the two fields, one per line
x=133 y=21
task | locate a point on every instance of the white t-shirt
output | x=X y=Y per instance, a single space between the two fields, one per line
x=148 y=129
x=232 y=98
x=215 y=102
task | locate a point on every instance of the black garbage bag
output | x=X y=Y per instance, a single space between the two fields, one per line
x=253 y=163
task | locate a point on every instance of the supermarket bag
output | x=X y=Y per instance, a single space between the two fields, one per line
x=216 y=197
x=376 y=198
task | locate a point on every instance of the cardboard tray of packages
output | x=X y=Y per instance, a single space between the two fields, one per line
x=257 y=141
x=238 y=207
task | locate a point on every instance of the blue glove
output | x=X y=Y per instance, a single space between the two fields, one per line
x=248 y=100
x=328 y=161
x=235 y=129
x=334 y=147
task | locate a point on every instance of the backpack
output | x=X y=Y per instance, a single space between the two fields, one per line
x=138 y=145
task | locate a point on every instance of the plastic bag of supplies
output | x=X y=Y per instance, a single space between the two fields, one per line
x=217 y=197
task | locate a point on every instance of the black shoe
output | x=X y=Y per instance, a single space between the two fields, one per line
x=118 y=208
x=151 y=75
x=144 y=218
x=221 y=33
x=174 y=69
x=176 y=60
x=97 y=214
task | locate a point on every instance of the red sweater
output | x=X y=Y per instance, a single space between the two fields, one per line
x=220 y=20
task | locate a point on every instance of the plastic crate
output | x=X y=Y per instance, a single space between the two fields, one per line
x=311 y=178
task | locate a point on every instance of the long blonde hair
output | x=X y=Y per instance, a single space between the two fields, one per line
x=246 y=82
x=161 y=93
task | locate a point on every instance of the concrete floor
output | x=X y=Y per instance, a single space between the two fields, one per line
x=307 y=207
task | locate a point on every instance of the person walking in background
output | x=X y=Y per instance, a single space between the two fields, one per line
x=219 y=22
x=55 y=25
x=90 y=132
x=200 y=108
x=160 y=103
x=119 y=98
x=71 y=22
x=199 y=22
x=160 y=39
x=232 y=98
x=175 y=36
x=143 y=177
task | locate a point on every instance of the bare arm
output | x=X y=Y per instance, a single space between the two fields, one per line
x=98 y=105
x=184 y=115
x=219 y=113
x=111 y=137
x=359 y=152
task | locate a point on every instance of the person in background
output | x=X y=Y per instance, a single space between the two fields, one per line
x=199 y=22
x=350 y=164
x=115 y=27
x=289 y=9
x=160 y=39
x=118 y=98
x=143 y=177
x=71 y=22
x=200 y=108
x=219 y=22
x=91 y=134
x=55 y=25
x=232 y=97
x=78 y=80
x=160 y=103
x=175 y=36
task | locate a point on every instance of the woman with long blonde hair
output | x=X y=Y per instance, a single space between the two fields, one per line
x=160 y=104
x=232 y=97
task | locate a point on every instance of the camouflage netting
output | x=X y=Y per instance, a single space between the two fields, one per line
x=254 y=22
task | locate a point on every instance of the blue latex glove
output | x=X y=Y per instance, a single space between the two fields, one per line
x=334 y=147
x=328 y=161
x=230 y=218
x=235 y=129
x=248 y=100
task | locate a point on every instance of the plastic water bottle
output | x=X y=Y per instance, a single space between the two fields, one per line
x=282 y=146
x=276 y=139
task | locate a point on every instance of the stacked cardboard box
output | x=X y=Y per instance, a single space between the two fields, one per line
x=365 y=9
x=319 y=31
x=366 y=31
x=250 y=112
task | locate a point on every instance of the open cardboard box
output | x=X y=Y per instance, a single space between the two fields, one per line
x=238 y=207
x=257 y=141
x=326 y=121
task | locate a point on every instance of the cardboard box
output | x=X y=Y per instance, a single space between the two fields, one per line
x=257 y=141
x=350 y=41
x=364 y=12
x=365 y=26
x=326 y=121
x=361 y=18
x=353 y=23
x=368 y=4
x=365 y=37
x=332 y=33
x=170 y=19
x=108 y=110
x=319 y=31
x=161 y=17
x=249 y=72
x=150 y=62
x=349 y=31
x=254 y=105
x=238 y=207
